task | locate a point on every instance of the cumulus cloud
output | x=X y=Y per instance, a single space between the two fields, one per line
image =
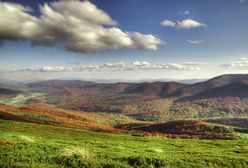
x=195 y=41
x=16 y=23
x=184 y=24
x=147 y=42
x=241 y=63
x=77 y=25
x=189 y=23
x=168 y=23
x=121 y=66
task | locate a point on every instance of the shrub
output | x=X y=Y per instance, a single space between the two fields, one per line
x=73 y=161
x=142 y=162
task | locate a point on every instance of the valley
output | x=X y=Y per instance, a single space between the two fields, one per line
x=157 y=101
x=123 y=84
x=156 y=124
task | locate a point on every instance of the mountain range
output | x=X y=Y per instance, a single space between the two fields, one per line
x=235 y=85
x=222 y=96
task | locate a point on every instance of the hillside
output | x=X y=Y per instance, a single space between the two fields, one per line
x=222 y=96
x=216 y=82
x=164 y=89
x=190 y=128
x=86 y=124
x=36 y=145
x=43 y=114
x=155 y=88
x=237 y=89
x=57 y=85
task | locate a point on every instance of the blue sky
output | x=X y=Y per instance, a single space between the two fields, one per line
x=218 y=46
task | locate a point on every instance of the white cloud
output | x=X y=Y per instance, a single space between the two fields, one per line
x=242 y=1
x=184 y=24
x=194 y=63
x=168 y=23
x=141 y=63
x=78 y=25
x=195 y=41
x=186 y=12
x=55 y=69
x=144 y=65
x=121 y=66
x=145 y=42
x=189 y=23
x=241 y=63
x=16 y=23
x=181 y=67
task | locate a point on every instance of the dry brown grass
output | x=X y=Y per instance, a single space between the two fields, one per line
x=54 y=116
x=43 y=114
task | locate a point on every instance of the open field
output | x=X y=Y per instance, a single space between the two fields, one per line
x=35 y=145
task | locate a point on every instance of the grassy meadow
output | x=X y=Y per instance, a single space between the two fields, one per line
x=37 y=145
x=42 y=139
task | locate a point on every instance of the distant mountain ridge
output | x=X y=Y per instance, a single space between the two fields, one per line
x=225 y=96
x=238 y=89
x=53 y=85
x=221 y=86
x=155 y=88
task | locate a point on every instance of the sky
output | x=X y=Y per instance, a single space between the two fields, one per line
x=122 y=39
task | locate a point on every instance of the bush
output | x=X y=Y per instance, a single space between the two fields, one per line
x=73 y=161
x=142 y=162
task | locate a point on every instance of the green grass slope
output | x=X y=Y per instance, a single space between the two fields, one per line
x=35 y=145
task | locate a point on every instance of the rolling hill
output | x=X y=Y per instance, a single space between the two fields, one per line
x=190 y=128
x=216 y=86
x=56 y=85
x=222 y=96
x=216 y=82
x=237 y=89
x=155 y=88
